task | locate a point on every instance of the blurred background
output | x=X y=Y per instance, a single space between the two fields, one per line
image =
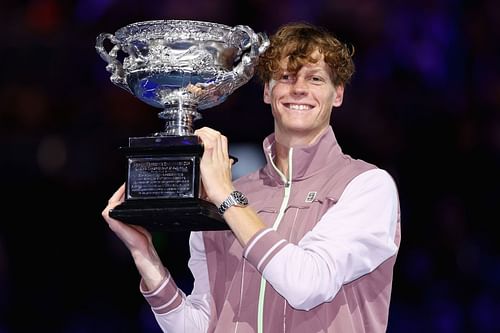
x=423 y=104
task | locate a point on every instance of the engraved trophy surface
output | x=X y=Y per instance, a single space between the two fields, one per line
x=179 y=67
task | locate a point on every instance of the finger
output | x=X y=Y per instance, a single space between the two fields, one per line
x=224 y=148
x=115 y=200
x=211 y=144
x=207 y=134
x=119 y=195
x=206 y=130
x=206 y=139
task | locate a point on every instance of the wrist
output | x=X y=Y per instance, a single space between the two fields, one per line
x=222 y=195
x=152 y=274
x=235 y=198
x=150 y=267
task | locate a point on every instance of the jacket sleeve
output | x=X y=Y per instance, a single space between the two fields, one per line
x=174 y=311
x=352 y=239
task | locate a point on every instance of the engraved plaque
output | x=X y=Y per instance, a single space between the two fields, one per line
x=162 y=177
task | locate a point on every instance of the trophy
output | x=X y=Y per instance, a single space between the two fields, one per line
x=180 y=67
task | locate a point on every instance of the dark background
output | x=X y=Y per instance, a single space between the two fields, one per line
x=423 y=104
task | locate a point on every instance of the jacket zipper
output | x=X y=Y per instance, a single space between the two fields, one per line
x=284 y=204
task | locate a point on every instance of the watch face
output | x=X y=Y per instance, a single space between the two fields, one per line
x=240 y=198
x=235 y=198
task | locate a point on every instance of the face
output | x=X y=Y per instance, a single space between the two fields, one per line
x=302 y=102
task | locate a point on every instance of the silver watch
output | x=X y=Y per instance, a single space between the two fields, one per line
x=236 y=198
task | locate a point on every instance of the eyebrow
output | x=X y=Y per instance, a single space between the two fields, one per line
x=315 y=70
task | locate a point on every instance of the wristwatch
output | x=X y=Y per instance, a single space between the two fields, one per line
x=236 y=198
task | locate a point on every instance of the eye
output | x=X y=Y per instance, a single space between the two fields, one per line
x=317 y=79
x=286 y=77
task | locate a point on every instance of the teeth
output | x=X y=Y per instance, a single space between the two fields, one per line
x=299 y=106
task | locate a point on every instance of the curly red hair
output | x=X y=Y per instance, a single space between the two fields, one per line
x=298 y=42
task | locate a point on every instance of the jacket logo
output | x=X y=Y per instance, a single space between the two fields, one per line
x=311 y=196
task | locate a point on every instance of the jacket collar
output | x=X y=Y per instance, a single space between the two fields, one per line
x=306 y=160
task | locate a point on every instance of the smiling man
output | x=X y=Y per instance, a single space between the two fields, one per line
x=314 y=233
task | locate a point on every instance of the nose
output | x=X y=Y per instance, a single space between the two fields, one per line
x=299 y=86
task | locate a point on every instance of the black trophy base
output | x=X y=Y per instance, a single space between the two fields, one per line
x=170 y=214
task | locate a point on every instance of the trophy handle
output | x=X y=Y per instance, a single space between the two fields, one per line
x=115 y=67
x=257 y=44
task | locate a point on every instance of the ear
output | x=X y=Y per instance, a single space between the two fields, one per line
x=267 y=93
x=339 y=96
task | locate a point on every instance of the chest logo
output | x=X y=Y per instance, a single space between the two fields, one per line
x=311 y=196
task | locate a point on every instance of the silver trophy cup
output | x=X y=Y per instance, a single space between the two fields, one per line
x=180 y=67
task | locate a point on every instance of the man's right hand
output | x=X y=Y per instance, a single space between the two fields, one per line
x=138 y=241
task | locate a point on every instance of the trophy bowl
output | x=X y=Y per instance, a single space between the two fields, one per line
x=179 y=67
x=182 y=66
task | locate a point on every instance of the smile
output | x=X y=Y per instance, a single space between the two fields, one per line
x=298 y=106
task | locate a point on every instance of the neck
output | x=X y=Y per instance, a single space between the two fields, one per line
x=281 y=157
x=290 y=138
x=285 y=141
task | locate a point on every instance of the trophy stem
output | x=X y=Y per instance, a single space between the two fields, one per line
x=179 y=120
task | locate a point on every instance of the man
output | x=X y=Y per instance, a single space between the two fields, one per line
x=314 y=249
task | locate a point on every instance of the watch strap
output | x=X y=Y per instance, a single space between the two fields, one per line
x=235 y=198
